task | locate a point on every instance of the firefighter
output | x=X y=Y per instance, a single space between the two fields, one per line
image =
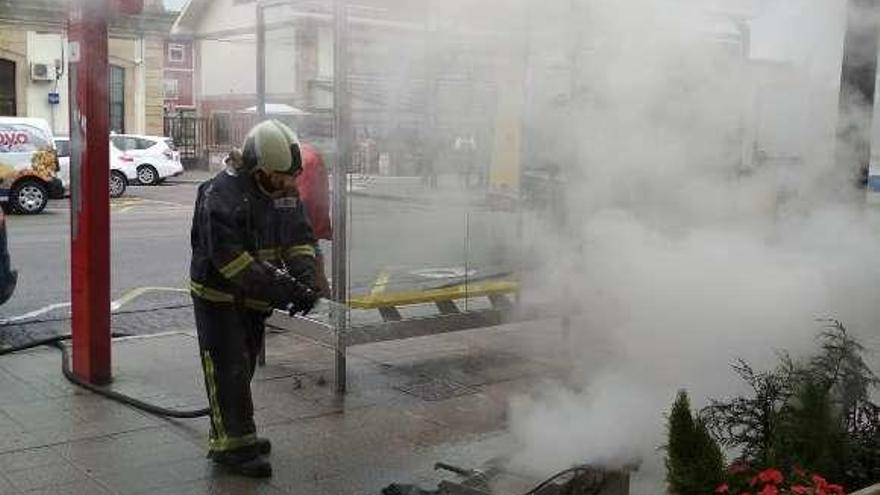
x=252 y=250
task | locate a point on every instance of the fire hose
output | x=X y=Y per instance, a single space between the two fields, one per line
x=584 y=480
x=57 y=342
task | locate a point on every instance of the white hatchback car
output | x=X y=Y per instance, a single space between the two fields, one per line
x=154 y=156
x=122 y=167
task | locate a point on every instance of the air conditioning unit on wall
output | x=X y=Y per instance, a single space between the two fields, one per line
x=42 y=72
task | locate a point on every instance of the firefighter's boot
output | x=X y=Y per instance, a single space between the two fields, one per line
x=263 y=446
x=246 y=461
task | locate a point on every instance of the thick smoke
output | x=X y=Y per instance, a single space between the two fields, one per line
x=686 y=248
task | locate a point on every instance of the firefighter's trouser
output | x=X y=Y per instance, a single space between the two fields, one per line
x=230 y=338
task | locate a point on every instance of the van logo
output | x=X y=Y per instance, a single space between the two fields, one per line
x=13 y=138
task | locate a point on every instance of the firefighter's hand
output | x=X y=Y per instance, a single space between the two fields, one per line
x=304 y=302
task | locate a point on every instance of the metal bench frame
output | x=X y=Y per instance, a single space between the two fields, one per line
x=503 y=311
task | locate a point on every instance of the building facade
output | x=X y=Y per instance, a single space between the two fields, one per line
x=34 y=60
x=405 y=102
x=178 y=82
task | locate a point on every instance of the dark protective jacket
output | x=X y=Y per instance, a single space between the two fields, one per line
x=8 y=276
x=236 y=227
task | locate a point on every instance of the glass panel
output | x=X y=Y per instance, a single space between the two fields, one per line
x=220 y=126
x=63 y=147
x=437 y=112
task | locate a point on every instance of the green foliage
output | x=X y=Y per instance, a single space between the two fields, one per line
x=694 y=462
x=811 y=434
x=849 y=380
x=817 y=415
x=751 y=423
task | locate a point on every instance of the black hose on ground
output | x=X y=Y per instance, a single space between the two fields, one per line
x=57 y=342
x=38 y=321
x=32 y=344
x=593 y=488
x=48 y=341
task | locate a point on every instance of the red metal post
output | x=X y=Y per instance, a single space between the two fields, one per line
x=90 y=193
x=128 y=7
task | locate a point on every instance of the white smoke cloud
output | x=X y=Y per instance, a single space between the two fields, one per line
x=683 y=251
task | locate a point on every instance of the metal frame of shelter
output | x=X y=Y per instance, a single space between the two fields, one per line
x=339 y=333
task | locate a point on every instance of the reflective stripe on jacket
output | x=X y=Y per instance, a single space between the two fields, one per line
x=235 y=229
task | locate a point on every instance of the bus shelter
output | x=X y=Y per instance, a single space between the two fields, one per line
x=417 y=109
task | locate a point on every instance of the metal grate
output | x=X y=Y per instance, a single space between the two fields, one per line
x=435 y=389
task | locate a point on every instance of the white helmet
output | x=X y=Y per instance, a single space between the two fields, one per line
x=272 y=147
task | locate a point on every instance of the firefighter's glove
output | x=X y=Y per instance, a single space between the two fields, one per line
x=301 y=298
x=304 y=302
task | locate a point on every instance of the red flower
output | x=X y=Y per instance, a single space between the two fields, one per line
x=745 y=493
x=835 y=489
x=819 y=482
x=771 y=475
x=769 y=490
x=800 y=490
x=722 y=489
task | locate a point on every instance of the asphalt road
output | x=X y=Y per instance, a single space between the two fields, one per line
x=399 y=231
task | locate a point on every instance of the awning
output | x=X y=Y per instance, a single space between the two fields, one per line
x=278 y=109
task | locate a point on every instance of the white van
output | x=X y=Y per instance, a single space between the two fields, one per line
x=28 y=165
x=154 y=156
x=122 y=169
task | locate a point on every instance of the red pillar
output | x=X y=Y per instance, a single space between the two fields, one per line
x=90 y=194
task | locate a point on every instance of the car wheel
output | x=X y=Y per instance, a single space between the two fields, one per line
x=29 y=197
x=147 y=175
x=118 y=183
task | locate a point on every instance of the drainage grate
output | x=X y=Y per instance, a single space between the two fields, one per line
x=435 y=389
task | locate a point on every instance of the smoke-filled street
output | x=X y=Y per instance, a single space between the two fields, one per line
x=411 y=233
x=498 y=247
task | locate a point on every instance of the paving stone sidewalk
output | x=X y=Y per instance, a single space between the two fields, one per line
x=411 y=403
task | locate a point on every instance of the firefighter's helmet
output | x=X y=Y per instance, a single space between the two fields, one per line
x=272 y=147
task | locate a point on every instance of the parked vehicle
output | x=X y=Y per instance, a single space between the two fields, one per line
x=874 y=178
x=155 y=157
x=8 y=276
x=122 y=168
x=28 y=165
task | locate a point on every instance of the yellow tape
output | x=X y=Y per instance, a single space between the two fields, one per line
x=232 y=443
x=380 y=284
x=404 y=298
x=267 y=254
x=210 y=294
x=301 y=250
x=214 y=295
x=257 y=305
x=216 y=416
x=236 y=266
